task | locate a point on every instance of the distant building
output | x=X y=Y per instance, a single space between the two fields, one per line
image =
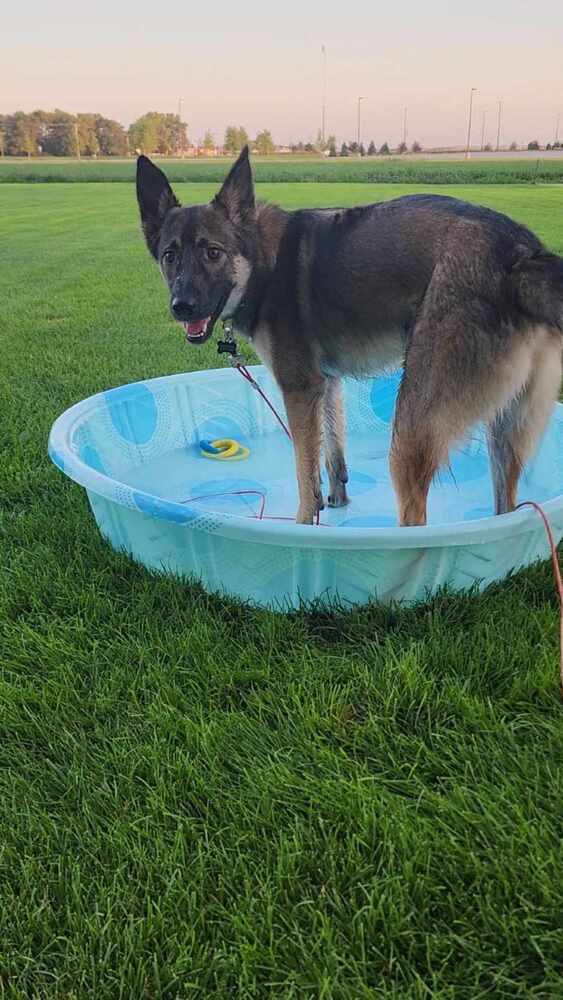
x=192 y=152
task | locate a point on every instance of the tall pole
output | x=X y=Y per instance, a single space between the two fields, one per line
x=468 y=144
x=360 y=99
x=483 y=121
x=323 y=114
x=180 y=148
x=498 y=124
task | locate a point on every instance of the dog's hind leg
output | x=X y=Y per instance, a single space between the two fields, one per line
x=514 y=431
x=429 y=414
x=461 y=370
x=304 y=412
x=418 y=449
x=334 y=435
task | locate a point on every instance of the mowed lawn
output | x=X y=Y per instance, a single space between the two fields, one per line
x=198 y=799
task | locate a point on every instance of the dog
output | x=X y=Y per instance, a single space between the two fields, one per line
x=470 y=301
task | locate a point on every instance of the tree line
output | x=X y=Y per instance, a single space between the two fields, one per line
x=58 y=133
x=358 y=149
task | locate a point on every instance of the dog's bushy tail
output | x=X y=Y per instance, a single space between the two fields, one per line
x=539 y=287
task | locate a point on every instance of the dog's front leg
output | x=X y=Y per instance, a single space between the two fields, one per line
x=304 y=412
x=334 y=435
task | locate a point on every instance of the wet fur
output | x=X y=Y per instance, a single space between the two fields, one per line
x=470 y=300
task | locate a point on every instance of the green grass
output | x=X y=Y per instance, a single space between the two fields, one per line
x=382 y=170
x=198 y=799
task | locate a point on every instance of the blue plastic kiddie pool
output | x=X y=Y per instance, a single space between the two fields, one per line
x=155 y=494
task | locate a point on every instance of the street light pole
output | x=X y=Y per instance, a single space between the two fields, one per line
x=180 y=144
x=498 y=124
x=323 y=115
x=468 y=145
x=360 y=99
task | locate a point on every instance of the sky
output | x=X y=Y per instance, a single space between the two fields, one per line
x=260 y=65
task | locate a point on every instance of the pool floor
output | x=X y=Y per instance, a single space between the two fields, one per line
x=461 y=493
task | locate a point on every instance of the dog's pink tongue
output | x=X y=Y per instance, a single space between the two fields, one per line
x=196 y=329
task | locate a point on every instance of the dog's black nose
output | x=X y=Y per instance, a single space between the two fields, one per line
x=183 y=308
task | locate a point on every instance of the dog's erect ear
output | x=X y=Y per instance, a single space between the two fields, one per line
x=156 y=198
x=236 y=197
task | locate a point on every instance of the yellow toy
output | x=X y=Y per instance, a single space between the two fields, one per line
x=224 y=450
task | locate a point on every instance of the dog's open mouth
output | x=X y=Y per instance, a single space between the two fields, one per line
x=198 y=330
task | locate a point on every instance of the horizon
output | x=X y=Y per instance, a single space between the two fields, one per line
x=231 y=72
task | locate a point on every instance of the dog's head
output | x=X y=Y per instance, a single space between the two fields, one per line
x=205 y=252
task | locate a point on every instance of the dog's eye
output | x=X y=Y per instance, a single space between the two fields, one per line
x=214 y=253
x=169 y=257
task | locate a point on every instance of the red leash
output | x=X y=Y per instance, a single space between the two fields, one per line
x=249 y=378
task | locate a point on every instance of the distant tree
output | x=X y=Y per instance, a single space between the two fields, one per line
x=416 y=148
x=231 y=139
x=371 y=149
x=533 y=145
x=87 y=135
x=235 y=139
x=309 y=148
x=208 y=141
x=487 y=148
x=402 y=148
x=264 y=144
x=332 y=145
x=362 y=149
x=60 y=135
x=556 y=145
x=156 y=132
x=21 y=135
x=513 y=147
x=144 y=133
x=354 y=148
x=344 y=150
x=112 y=138
x=384 y=150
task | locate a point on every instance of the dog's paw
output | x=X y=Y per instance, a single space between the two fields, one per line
x=339 y=496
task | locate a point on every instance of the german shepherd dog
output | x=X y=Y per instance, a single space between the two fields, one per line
x=470 y=301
